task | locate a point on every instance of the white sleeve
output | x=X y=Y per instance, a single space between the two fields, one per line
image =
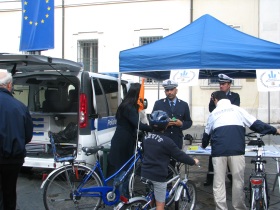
x=209 y=125
x=247 y=119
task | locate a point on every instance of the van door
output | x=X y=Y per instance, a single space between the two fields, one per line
x=105 y=102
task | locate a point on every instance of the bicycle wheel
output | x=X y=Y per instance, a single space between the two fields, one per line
x=137 y=188
x=259 y=205
x=135 y=205
x=183 y=203
x=59 y=187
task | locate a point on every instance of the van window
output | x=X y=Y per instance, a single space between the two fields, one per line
x=101 y=103
x=106 y=92
x=111 y=92
x=46 y=93
x=21 y=92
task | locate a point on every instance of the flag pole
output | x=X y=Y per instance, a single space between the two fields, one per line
x=63 y=25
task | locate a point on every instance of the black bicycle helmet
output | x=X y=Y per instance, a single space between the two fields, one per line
x=159 y=120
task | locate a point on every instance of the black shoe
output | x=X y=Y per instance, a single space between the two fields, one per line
x=208 y=183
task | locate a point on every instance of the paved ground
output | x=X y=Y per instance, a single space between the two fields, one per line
x=30 y=196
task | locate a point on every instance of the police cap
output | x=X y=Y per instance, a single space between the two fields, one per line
x=169 y=84
x=224 y=78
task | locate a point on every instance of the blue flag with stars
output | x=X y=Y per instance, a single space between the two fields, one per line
x=37 y=28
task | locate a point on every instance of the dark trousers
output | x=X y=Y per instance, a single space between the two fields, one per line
x=8 y=184
x=210 y=177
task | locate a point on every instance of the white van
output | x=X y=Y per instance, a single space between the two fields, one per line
x=59 y=95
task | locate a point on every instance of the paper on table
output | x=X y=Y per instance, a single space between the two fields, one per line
x=193 y=147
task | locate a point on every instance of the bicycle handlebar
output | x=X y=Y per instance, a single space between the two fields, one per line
x=258 y=161
x=257 y=141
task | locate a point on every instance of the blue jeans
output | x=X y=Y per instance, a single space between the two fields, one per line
x=123 y=187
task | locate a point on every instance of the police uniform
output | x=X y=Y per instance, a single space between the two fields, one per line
x=181 y=111
x=233 y=97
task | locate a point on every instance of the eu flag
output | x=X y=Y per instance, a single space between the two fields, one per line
x=37 y=28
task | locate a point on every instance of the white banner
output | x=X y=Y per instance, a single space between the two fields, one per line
x=188 y=76
x=268 y=80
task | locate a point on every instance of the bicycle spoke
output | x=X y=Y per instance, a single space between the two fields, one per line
x=60 y=187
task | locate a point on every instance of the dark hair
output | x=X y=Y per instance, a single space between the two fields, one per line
x=219 y=95
x=159 y=120
x=130 y=98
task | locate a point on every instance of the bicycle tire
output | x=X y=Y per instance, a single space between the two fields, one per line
x=137 y=188
x=263 y=202
x=135 y=205
x=259 y=205
x=182 y=203
x=57 y=193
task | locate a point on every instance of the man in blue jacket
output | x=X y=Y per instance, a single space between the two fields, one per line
x=226 y=129
x=16 y=130
x=178 y=111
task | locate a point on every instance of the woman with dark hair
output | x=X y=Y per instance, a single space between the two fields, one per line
x=124 y=139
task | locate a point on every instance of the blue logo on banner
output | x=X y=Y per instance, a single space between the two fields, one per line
x=37 y=28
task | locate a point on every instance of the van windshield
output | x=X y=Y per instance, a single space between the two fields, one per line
x=48 y=94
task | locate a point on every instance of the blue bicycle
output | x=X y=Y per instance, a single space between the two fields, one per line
x=183 y=189
x=77 y=186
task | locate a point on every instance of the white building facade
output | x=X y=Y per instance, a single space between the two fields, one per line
x=95 y=31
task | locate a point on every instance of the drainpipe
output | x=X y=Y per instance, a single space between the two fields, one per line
x=191 y=7
x=190 y=88
x=63 y=26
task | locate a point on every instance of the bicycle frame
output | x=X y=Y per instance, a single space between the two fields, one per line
x=182 y=185
x=258 y=188
x=183 y=193
x=150 y=197
x=258 y=191
x=101 y=191
x=110 y=195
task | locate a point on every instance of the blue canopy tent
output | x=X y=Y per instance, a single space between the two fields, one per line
x=206 y=44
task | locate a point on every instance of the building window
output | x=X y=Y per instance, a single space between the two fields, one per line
x=149 y=81
x=215 y=81
x=88 y=54
x=149 y=39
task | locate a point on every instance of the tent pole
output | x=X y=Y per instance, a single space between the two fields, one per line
x=120 y=89
x=268 y=97
x=158 y=90
x=63 y=27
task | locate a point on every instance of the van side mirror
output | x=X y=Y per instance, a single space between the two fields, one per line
x=145 y=103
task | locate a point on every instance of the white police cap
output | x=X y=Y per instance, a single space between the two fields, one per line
x=224 y=78
x=169 y=84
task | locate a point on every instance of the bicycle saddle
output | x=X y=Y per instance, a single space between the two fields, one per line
x=92 y=150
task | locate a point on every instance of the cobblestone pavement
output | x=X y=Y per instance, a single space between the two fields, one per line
x=30 y=196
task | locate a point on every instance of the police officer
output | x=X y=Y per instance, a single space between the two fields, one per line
x=225 y=84
x=177 y=110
